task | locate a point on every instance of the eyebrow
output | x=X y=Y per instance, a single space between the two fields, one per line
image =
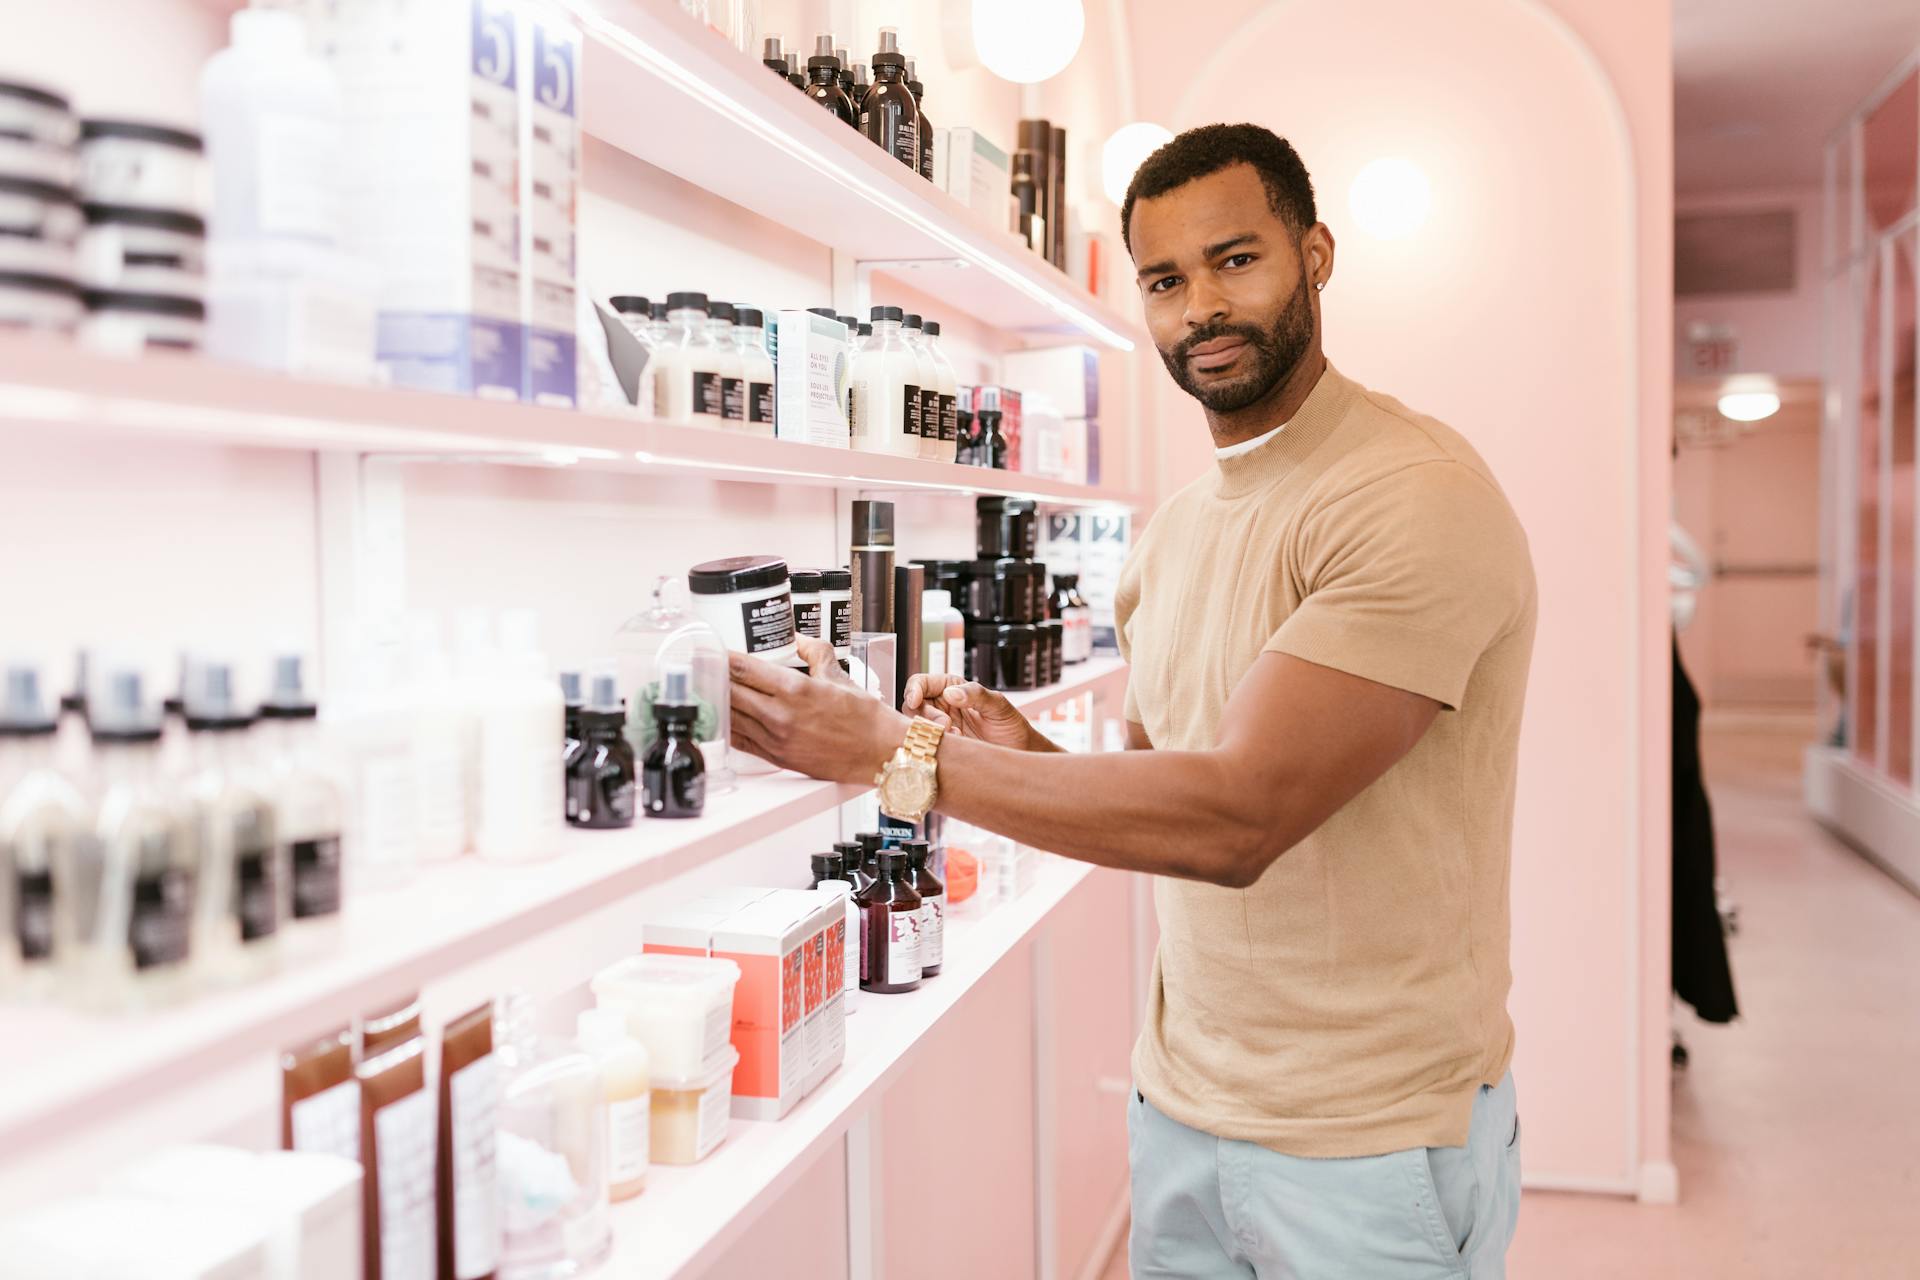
x=1211 y=251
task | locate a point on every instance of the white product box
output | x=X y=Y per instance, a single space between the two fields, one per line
x=1069 y=377
x=789 y=1011
x=979 y=175
x=432 y=182
x=942 y=144
x=687 y=929
x=549 y=201
x=810 y=380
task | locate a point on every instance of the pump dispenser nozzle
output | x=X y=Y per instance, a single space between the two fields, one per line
x=889 y=40
x=823 y=53
x=570 y=688
x=22 y=708
x=605 y=694
x=211 y=699
x=676 y=685
x=123 y=711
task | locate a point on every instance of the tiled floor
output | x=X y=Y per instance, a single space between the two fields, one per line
x=1796 y=1130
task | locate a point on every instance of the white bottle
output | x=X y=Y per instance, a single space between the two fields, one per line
x=944 y=633
x=726 y=350
x=522 y=731
x=884 y=380
x=927 y=377
x=947 y=380
x=756 y=366
x=444 y=742
x=373 y=725
x=41 y=823
x=274 y=122
x=636 y=317
x=242 y=895
x=309 y=807
x=843 y=889
x=624 y=1065
x=688 y=388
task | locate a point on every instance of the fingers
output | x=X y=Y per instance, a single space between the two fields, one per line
x=752 y=673
x=820 y=659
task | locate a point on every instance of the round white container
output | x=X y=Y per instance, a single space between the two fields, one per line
x=55 y=166
x=39 y=258
x=149 y=166
x=34 y=114
x=38 y=211
x=836 y=611
x=30 y=301
x=143 y=250
x=679 y=1007
x=123 y=323
x=749 y=601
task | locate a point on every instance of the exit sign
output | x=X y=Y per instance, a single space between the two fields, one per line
x=1707 y=351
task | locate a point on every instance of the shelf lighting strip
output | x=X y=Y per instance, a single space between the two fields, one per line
x=714 y=99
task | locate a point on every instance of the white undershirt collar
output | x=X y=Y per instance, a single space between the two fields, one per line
x=1248 y=446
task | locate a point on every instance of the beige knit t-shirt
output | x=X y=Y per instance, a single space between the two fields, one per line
x=1352 y=1000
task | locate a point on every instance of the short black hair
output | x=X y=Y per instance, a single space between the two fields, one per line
x=1207 y=150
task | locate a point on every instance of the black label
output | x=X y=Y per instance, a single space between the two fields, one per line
x=906 y=142
x=733 y=399
x=760 y=402
x=910 y=409
x=840 y=620
x=769 y=622
x=929 y=414
x=708 y=396
x=33 y=915
x=158 y=922
x=316 y=877
x=806 y=619
x=949 y=418
x=256 y=893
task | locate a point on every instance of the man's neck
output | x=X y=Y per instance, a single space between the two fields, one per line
x=1271 y=410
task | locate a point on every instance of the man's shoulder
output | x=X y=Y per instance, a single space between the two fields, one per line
x=1400 y=448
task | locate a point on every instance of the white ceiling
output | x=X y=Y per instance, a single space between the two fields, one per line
x=1759 y=84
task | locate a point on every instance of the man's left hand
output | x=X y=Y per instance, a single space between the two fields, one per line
x=819 y=724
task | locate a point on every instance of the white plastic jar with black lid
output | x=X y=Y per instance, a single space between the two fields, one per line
x=143 y=164
x=836 y=611
x=34 y=210
x=55 y=166
x=809 y=619
x=749 y=601
x=123 y=323
x=29 y=300
x=143 y=250
x=34 y=114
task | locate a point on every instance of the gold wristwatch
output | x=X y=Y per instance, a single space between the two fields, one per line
x=909 y=783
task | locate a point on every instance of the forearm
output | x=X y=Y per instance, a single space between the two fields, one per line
x=1165 y=812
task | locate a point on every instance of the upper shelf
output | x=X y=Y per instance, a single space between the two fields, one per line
x=60 y=387
x=660 y=87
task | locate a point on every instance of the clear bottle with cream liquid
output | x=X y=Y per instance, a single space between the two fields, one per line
x=687 y=388
x=726 y=349
x=885 y=376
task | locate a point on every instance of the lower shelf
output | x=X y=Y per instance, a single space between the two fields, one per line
x=688 y=1216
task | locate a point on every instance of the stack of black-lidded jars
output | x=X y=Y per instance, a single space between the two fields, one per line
x=1011 y=643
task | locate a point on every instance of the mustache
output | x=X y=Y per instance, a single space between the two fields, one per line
x=1208 y=333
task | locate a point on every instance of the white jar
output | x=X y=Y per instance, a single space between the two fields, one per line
x=35 y=210
x=37 y=115
x=142 y=165
x=143 y=250
x=884 y=376
x=31 y=301
x=756 y=366
x=122 y=323
x=522 y=729
x=836 y=611
x=680 y=1008
x=54 y=166
x=808 y=617
x=687 y=388
x=726 y=355
x=943 y=632
x=749 y=601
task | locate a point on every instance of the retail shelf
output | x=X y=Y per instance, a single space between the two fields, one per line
x=57 y=386
x=688 y=1216
x=86 y=1068
x=663 y=88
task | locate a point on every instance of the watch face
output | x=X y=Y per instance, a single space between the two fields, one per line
x=909 y=790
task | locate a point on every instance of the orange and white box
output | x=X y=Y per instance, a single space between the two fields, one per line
x=687 y=929
x=789 y=1027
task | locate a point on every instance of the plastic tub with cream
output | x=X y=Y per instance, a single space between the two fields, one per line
x=29 y=113
x=123 y=323
x=143 y=250
x=150 y=166
x=749 y=601
x=54 y=166
x=35 y=210
x=691 y=1113
x=679 y=1007
x=32 y=301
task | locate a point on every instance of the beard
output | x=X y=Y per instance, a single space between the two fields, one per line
x=1272 y=355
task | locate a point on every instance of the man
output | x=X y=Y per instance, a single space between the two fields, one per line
x=1329 y=635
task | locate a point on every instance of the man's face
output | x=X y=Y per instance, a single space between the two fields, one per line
x=1227 y=298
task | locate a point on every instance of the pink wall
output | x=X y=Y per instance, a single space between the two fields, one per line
x=1541 y=328
x=1779 y=333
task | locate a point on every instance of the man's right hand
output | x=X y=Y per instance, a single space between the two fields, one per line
x=973 y=709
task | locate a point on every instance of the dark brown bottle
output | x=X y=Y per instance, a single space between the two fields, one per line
x=857 y=91
x=846 y=84
x=1026 y=190
x=823 y=81
x=853 y=864
x=933 y=906
x=870 y=843
x=919 y=92
x=1035 y=137
x=773 y=58
x=887 y=114
x=795 y=76
x=600 y=767
x=674 y=777
x=828 y=866
x=889 y=929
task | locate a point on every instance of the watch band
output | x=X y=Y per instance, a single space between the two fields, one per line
x=923 y=741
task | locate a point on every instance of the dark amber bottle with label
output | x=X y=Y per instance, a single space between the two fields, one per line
x=853 y=862
x=823 y=81
x=887 y=114
x=673 y=778
x=933 y=906
x=889 y=929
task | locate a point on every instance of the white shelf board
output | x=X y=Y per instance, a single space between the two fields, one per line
x=689 y=1215
x=49 y=385
x=661 y=87
x=84 y=1068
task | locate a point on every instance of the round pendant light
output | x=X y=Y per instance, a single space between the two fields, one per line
x=1125 y=152
x=1027 y=41
x=1390 y=198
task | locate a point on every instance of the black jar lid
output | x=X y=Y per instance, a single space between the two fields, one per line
x=836 y=579
x=121 y=215
x=807 y=580
x=885 y=313
x=140 y=131
x=686 y=302
x=38 y=283
x=35 y=94
x=152 y=304
x=720 y=311
x=1024 y=632
x=750 y=317
x=34 y=188
x=995 y=505
x=740 y=573
x=631 y=304
x=829 y=866
x=996 y=567
x=1054 y=625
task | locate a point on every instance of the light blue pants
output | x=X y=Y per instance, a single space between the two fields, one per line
x=1206 y=1206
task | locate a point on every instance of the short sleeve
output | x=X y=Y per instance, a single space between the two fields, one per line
x=1407 y=580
